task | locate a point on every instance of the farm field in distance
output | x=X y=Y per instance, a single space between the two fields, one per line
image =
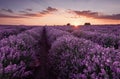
x=60 y=52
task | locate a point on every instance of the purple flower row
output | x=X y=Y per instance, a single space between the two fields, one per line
x=77 y=58
x=18 y=53
x=102 y=39
x=4 y=33
x=53 y=33
x=73 y=58
x=104 y=29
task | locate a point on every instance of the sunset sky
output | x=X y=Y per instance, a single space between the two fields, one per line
x=59 y=12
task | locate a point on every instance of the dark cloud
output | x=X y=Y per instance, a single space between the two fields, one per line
x=28 y=9
x=10 y=16
x=48 y=10
x=95 y=15
x=23 y=11
x=114 y=17
x=7 y=10
x=27 y=13
x=51 y=9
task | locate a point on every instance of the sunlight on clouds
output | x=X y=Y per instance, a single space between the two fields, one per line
x=60 y=17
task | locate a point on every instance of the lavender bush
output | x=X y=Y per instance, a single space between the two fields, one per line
x=17 y=53
x=4 y=33
x=53 y=34
x=73 y=58
x=103 y=39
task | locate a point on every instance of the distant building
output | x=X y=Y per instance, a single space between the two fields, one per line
x=87 y=24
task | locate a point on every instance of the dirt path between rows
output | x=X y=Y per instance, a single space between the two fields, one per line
x=42 y=72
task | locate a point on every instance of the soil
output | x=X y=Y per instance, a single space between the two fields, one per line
x=42 y=71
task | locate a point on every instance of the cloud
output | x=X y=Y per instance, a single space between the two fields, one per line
x=27 y=13
x=23 y=11
x=95 y=15
x=32 y=15
x=42 y=13
x=113 y=16
x=7 y=10
x=10 y=16
x=48 y=10
x=28 y=9
x=51 y=9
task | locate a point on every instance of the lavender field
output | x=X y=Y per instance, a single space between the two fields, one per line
x=60 y=52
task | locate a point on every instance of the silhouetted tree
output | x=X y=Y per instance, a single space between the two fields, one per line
x=68 y=24
x=87 y=24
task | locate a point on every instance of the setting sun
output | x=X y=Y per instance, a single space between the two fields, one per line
x=76 y=24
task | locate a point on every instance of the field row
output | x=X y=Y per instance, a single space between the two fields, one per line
x=72 y=53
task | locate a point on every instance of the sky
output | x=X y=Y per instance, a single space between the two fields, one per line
x=59 y=12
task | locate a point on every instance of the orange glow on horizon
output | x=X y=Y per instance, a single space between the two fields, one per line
x=76 y=24
x=55 y=19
